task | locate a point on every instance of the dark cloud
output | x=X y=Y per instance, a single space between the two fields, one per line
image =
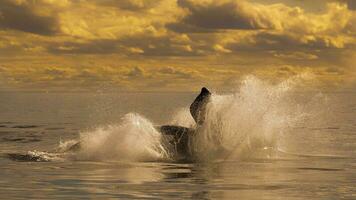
x=21 y=17
x=351 y=4
x=217 y=15
x=130 y=4
x=183 y=27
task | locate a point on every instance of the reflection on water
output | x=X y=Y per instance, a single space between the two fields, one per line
x=316 y=159
x=259 y=179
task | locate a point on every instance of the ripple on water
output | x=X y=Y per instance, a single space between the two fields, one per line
x=320 y=169
x=22 y=139
x=7 y=122
x=6 y=139
x=25 y=126
x=55 y=128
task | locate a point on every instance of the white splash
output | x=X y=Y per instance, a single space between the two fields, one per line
x=134 y=139
x=239 y=124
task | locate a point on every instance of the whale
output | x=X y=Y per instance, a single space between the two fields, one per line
x=181 y=137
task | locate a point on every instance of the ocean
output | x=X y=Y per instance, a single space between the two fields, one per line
x=279 y=143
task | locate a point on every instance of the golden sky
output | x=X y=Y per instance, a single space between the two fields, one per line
x=175 y=45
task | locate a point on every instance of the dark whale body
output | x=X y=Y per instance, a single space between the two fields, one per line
x=180 y=136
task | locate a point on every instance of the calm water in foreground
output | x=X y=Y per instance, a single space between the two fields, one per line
x=317 y=162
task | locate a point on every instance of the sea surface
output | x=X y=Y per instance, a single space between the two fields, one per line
x=312 y=158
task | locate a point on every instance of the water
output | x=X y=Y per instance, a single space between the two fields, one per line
x=265 y=141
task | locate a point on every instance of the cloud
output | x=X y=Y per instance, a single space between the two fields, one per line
x=164 y=45
x=130 y=4
x=135 y=72
x=296 y=55
x=61 y=78
x=181 y=27
x=331 y=28
x=174 y=73
x=224 y=15
x=55 y=72
x=22 y=18
x=143 y=45
x=274 y=22
x=87 y=47
x=230 y=14
x=114 y=19
x=221 y=49
x=351 y=4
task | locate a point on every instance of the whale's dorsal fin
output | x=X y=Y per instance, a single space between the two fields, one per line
x=197 y=108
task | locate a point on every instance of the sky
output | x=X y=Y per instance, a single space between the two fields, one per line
x=175 y=45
